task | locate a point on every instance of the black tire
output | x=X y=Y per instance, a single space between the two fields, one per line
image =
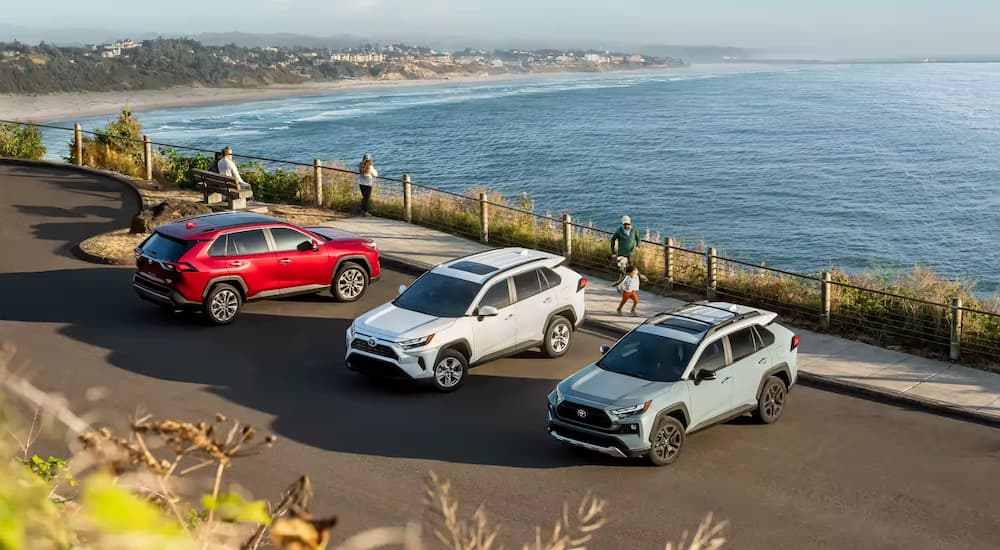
x=558 y=335
x=451 y=368
x=771 y=402
x=666 y=441
x=223 y=304
x=350 y=282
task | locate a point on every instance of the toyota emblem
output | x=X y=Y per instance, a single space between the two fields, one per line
x=371 y=342
x=581 y=413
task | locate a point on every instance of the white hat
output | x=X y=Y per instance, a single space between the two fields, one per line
x=626 y=220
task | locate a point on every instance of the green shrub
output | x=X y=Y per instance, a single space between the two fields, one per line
x=21 y=141
x=176 y=168
x=117 y=147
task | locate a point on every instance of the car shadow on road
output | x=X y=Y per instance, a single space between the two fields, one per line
x=292 y=367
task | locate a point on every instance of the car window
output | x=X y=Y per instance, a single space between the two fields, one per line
x=218 y=248
x=741 y=344
x=247 y=242
x=497 y=296
x=438 y=295
x=527 y=284
x=713 y=357
x=764 y=337
x=287 y=239
x=550 y=277
x=162 y=247
x=648 y=357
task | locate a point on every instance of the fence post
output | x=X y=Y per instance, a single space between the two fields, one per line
x=147 y=154
x=710 y=281
x=318 y=180
x=484 y=219
x=956 y=328
x=78 y=144
x=668 y=262
x=407 y=199
x=824 y=301
x=567 y=222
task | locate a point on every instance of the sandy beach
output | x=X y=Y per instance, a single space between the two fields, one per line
x=64 y=106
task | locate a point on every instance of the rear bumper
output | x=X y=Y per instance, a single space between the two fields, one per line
x=161 y=295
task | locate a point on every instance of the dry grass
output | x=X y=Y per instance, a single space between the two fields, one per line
x=115 y=247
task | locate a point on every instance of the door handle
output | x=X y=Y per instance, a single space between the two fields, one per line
x=285 y=260
x=235 y=264
x=548 y=300
x=509 y=315
x=762 y=361
x=726 y=379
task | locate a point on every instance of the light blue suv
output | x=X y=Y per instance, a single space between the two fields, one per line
x=680 y=371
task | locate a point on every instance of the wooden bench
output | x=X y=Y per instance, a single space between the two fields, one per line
x=219 y=188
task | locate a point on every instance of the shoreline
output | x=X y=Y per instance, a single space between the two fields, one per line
x=47 y=108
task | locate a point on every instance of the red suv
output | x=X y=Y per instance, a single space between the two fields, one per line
x=216 y=262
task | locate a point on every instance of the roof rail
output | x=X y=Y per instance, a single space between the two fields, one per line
x=713 y=327
x=734 y=319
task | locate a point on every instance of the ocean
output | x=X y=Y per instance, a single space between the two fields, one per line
x=802 y=167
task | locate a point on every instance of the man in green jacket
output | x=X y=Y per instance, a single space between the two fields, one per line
x=627 y=240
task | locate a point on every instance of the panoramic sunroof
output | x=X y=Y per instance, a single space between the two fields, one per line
x=684 y=325
x=474 y=267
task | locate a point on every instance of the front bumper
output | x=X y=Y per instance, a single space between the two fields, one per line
x=620 y=445
x=384 y=358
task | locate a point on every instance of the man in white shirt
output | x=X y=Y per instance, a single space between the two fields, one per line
x=227 y=167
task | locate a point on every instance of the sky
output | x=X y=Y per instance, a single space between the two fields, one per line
x=825 y=28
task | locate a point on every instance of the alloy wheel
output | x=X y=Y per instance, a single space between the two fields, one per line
x=448 y=372
x=774 y=400
x=667 y=443
x=559 y=337
x=224 y=305
x=351 y=283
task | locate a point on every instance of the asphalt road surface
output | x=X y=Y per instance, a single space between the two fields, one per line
x=835 y=472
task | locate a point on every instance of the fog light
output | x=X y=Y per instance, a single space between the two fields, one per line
x=632 y=428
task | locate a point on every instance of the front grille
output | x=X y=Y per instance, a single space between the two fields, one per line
x=587 y=437
x=361 y=343
x=376 y=367
x=592 y=417
x=152 y=286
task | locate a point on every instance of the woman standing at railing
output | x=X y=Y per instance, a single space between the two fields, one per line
x=366 y=179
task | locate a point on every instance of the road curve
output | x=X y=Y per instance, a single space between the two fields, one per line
x=835 y=472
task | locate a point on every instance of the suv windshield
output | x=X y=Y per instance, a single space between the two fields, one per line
x=438 y=295
x=649 y=357
x=161 y=247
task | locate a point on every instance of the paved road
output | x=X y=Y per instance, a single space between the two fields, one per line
x=835 y=472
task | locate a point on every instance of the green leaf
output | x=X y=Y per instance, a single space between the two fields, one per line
x=231 y=507
x=116 y=510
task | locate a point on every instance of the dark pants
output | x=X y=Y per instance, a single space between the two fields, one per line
x=366 y=197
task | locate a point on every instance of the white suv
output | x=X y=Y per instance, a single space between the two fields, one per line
x=680 y=371
x=468 y=311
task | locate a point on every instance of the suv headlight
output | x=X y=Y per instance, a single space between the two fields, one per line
x=415 y=342
x=626 y=412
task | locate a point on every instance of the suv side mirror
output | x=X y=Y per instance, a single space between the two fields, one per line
x=402 y=289
x=605 y=348
x=704 y=374
x=488 y=311
x=306 y=246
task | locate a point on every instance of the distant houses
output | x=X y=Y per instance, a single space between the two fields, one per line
x=115 y=49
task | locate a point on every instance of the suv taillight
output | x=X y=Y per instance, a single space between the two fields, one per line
x=179 y=267
x=795 y=342
x=581 y=284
